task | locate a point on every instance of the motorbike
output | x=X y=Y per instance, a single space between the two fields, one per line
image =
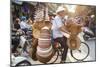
x=20 y=61
x=88 y=34
x=21 y=57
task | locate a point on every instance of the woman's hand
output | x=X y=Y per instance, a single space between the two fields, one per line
x=67 y=35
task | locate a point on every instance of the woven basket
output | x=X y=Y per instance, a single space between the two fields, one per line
x=73 y=43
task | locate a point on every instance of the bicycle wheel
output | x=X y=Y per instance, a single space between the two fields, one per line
x=54 y=58
x=81 y=53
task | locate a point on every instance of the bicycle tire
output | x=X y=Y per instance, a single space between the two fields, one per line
x=56 y=51
x=71 y=51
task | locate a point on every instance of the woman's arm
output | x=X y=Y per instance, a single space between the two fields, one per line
x=63 y=29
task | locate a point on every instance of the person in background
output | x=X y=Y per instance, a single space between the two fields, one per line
x=92 y=24
x=51 y=17
x=17 y=24
x=15 y=41
x=23 y=24
x=57 y=29
x=29 y=24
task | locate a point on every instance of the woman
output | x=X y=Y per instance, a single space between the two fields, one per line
x=57 y=29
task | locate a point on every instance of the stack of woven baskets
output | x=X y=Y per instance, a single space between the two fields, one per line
x=44 y=49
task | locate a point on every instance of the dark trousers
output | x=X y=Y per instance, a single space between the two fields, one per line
x=63 y=42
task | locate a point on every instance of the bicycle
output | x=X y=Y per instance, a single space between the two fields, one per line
x=77 y=54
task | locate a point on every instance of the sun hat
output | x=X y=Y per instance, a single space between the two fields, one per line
x=59 y=9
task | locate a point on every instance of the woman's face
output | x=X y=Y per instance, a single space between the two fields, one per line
x=62 y=13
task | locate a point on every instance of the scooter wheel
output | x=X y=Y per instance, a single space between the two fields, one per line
x=85 y=37
x=24 y=63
